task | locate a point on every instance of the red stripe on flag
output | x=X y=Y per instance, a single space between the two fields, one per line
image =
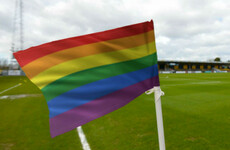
x=36 y=52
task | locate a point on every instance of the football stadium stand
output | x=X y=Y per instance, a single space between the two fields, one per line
x=168 y=66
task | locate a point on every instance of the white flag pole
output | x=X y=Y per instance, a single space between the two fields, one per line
x=160 y=128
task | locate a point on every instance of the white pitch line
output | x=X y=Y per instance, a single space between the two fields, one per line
x=10 y=88
x=212 y=82
x=13 y=97
x=84 y=143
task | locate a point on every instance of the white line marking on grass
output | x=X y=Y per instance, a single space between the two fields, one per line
x=213 y=82
x=175 y=79
x=12 y=97
x=84 y=143
x=10 y=88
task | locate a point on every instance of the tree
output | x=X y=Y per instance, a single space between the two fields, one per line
x=217 y=59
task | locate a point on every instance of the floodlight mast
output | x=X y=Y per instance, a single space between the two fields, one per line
x=17 y=33
x=21 y=26
x=18 y=28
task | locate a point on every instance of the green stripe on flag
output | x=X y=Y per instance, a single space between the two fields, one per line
x=78 y=79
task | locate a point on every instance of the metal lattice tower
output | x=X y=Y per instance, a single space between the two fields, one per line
x=18 y=35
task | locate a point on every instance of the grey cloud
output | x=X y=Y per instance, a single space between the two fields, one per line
x=186 y=29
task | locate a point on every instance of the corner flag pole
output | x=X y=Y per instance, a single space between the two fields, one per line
x=160 y=128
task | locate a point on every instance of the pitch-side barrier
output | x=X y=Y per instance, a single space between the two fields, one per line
x=196 y=71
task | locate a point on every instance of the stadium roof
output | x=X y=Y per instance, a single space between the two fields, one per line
x=205 y=62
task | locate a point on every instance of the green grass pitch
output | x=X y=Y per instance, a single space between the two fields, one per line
x=196 y=111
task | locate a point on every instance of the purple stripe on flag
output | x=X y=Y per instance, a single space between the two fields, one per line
x=99 y=107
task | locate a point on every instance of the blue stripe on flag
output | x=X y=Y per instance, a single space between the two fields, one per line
x=94 y=90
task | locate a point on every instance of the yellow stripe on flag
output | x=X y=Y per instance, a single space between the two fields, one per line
x=79 y=64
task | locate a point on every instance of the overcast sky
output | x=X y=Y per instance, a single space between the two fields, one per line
x=185 y=29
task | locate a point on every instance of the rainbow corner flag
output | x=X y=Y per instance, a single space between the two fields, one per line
x=86 y=77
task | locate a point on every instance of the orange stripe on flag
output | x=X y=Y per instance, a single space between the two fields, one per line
x=36 y=52
x=48 y=61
